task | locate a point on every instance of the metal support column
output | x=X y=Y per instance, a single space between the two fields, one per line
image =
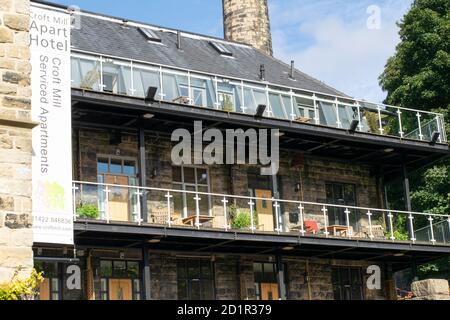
x=407 y=196
x=281 y=278
x=142 y=171
x=147 y=294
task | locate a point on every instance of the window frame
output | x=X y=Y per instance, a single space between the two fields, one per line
x=135 y=292
x=188 y=280
x=339 y=283
x=184 y=184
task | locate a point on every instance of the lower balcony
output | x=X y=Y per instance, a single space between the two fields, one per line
x=195 y=209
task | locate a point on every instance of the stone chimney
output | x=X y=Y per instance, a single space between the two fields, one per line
x=247 y=21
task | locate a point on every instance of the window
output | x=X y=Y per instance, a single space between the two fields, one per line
x=150 y=35
x=198 y=95
x=305 y=107
x=50 y=288
x=220 y=48
x=190 y=179
x=347 y=283
x=340 y=194
x=112 y=271
x=195 y=279
x=116 y=166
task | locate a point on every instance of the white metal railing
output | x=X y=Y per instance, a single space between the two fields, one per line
x=132 y=77
x=205 y=210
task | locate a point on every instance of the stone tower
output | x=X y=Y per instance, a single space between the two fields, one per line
x=16 y=238
x=247 y=21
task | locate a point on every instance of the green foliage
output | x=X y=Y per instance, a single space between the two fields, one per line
x=241 y=218
x=21 y=289
x=433 y=191
x=417 y=76
x=227 y=104
x=88 y=211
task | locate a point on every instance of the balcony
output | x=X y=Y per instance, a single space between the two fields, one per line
x=196 y=89
x=196 y=210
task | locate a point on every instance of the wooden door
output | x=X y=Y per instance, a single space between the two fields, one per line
x=118 y=204
x=264 y=210
x=269 y=291
x=120 y=289
x=44 y=289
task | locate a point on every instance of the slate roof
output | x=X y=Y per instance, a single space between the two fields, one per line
x=109 y=37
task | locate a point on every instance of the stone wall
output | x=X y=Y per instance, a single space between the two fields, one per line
x=248 y=21
x=15 y=139
x=312 y=279
x=311 y=173
x=234 y=277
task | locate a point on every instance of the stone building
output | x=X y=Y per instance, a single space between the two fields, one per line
x=146 y=227
x=15 y=140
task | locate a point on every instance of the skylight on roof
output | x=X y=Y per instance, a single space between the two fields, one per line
x=150 y=34
x=220 y=48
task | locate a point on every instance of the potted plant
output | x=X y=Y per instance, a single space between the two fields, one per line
x=227 y=104
x=88 y=211
x=241 y=218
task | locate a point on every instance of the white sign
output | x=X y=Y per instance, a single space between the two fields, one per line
x=51 y=108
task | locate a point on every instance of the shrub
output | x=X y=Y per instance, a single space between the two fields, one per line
x=240 y=218
x=88 y=211
x=19 y=289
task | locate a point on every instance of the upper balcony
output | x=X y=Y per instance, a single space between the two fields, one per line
x=179 y=86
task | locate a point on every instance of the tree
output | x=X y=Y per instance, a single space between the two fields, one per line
x=418 y=76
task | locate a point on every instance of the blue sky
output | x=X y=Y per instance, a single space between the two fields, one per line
x=328 y=39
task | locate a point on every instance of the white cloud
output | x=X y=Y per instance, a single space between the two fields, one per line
x=330 y=41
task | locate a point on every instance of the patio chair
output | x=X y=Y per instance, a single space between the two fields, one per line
x=311 y=227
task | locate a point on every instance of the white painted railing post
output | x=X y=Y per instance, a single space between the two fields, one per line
x=391 y=225
x=225 y=214
x=360 y=125
x=316 y=110
x=420 y=125
x=400 y=126
x=252 y=222
x=369 y=215
x=277 y=207
x=302 y=222
x=380 y=123
x=411 y=227
x=439 y=129
x=74 y=204
x=325 y=218
x=347 y=219
x=433 y=240
x=107 y=192
x=169 y=214
x=138 y=204
x=197 y=211
x=338 y=121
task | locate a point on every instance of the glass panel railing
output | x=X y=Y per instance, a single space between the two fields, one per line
x=234 y=95
x=194 y=207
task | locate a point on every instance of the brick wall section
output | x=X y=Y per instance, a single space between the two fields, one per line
x=248 y=21
x=15 y=139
